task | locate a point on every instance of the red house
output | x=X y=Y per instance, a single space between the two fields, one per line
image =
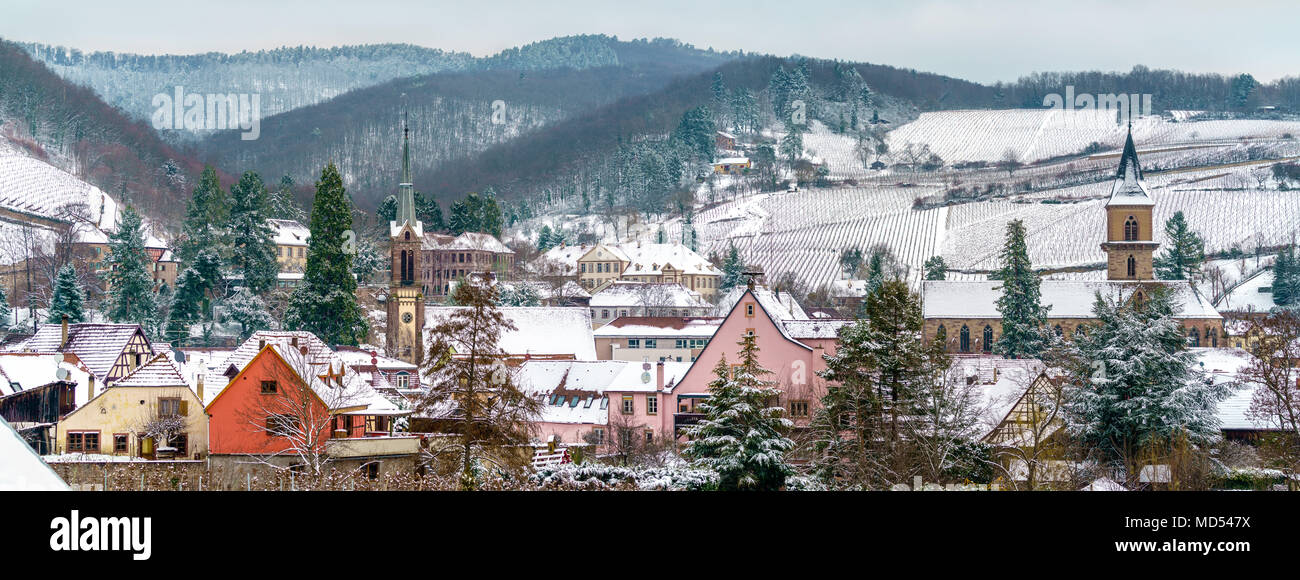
x=288 y=399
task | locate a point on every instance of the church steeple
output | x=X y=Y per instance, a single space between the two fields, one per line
x=406 y=190
x=1130 y=242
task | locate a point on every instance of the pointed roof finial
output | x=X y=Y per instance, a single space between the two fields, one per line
x=406 y=148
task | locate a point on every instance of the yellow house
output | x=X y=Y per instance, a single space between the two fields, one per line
x=290 y=244
x=151 y=412
x=731 y=165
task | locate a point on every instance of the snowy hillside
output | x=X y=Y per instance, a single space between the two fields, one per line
x=1035 y=134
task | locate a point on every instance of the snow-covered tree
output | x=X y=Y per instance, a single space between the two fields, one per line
x=68 y=298
x=186 y=308
x=5 y=310
x=253 y=251
x=733 y=269
x=1023 y=316
x=130 y=292
x=1135 y=387
x=1183 y=256
x=205 y=215
x=1286 y=277
x=741 y=436
x=248 y=311
x=1274 y=374
x=884 y=372
x=522 y=294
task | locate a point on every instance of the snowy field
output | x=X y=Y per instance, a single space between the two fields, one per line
x=1035 y=134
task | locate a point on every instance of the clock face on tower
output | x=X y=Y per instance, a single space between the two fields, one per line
x=406 y=317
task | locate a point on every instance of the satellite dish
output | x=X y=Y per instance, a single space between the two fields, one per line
x=62 y=374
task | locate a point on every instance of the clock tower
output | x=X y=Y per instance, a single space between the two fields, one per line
x=405 y=294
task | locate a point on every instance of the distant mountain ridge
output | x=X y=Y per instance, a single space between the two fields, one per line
x=288 y=78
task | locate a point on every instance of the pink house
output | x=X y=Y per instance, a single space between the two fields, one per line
x=590 y=400
x=790 y=344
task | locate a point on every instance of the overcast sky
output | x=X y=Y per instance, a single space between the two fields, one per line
x=983 y=41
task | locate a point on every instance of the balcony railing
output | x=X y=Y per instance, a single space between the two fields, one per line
x=686 y=419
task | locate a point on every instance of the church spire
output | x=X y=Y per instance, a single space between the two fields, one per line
x=406 y=190
x=1129 y=160
x=1129 y=189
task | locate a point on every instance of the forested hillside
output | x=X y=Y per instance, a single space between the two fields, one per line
x=72 y=128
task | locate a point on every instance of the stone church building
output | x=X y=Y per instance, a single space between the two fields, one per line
x=964 y=315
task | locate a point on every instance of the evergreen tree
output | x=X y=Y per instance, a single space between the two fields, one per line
x=253 y=252
x=1134 y=384
x=792 y=143
x=428 y=211
x=741 y=437
x=205 y=213
x=5 y=310
x=1184 y=254
x=936 y=268
x=463 y=218
x=326 y=303
x=883 y=367
x=386 y=211
x=280 y=204
x=186 y=308
x=130 y=293
x=545 y=239
x=1286 y=277
x=1023 y=316
x=248 y=311
x=733 y=269
x=744 y=107
x=695 y=132
x=68 y=297
x=489 y=214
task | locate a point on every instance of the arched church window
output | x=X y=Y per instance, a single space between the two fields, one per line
x=1058 y=330
x=1130 y=229
x=1194 y=338
x=941 y=335
x=965 y=339
x=408 y=236
x=1132 y=266
x=1213 y=334
x=988 y=339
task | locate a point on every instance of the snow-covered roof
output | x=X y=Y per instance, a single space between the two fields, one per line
x=466 y=241
x=358 y=357
x=815 y=328
x=1067 y=298
x=1247 y=296
x=21 y=469
x=660 y=327
x=649 y=260
x=548 y=291
x=542 y=330
x=849 y=288
x=395 y=228
x=1104 y=484
x=732 y=161
x=160 y=371
x=1224 y=366
x=97 y=344
x=25 y=371
x=624 y=293
x=779 y=305
x=574 y=391
x=1129 y=188
x=289 y=232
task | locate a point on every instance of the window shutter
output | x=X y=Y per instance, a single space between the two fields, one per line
x=184 y=410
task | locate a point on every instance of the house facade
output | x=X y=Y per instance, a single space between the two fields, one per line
x=655 y=338
x=124 y=419
x=109 y=351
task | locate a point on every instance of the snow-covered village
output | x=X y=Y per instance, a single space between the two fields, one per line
x=436 y=252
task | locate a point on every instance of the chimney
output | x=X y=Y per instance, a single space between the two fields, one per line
x=659 y=375
x=199 y=387
x=63 y=342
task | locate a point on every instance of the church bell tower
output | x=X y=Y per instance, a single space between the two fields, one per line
x=405 y=294
x=1130 y=243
